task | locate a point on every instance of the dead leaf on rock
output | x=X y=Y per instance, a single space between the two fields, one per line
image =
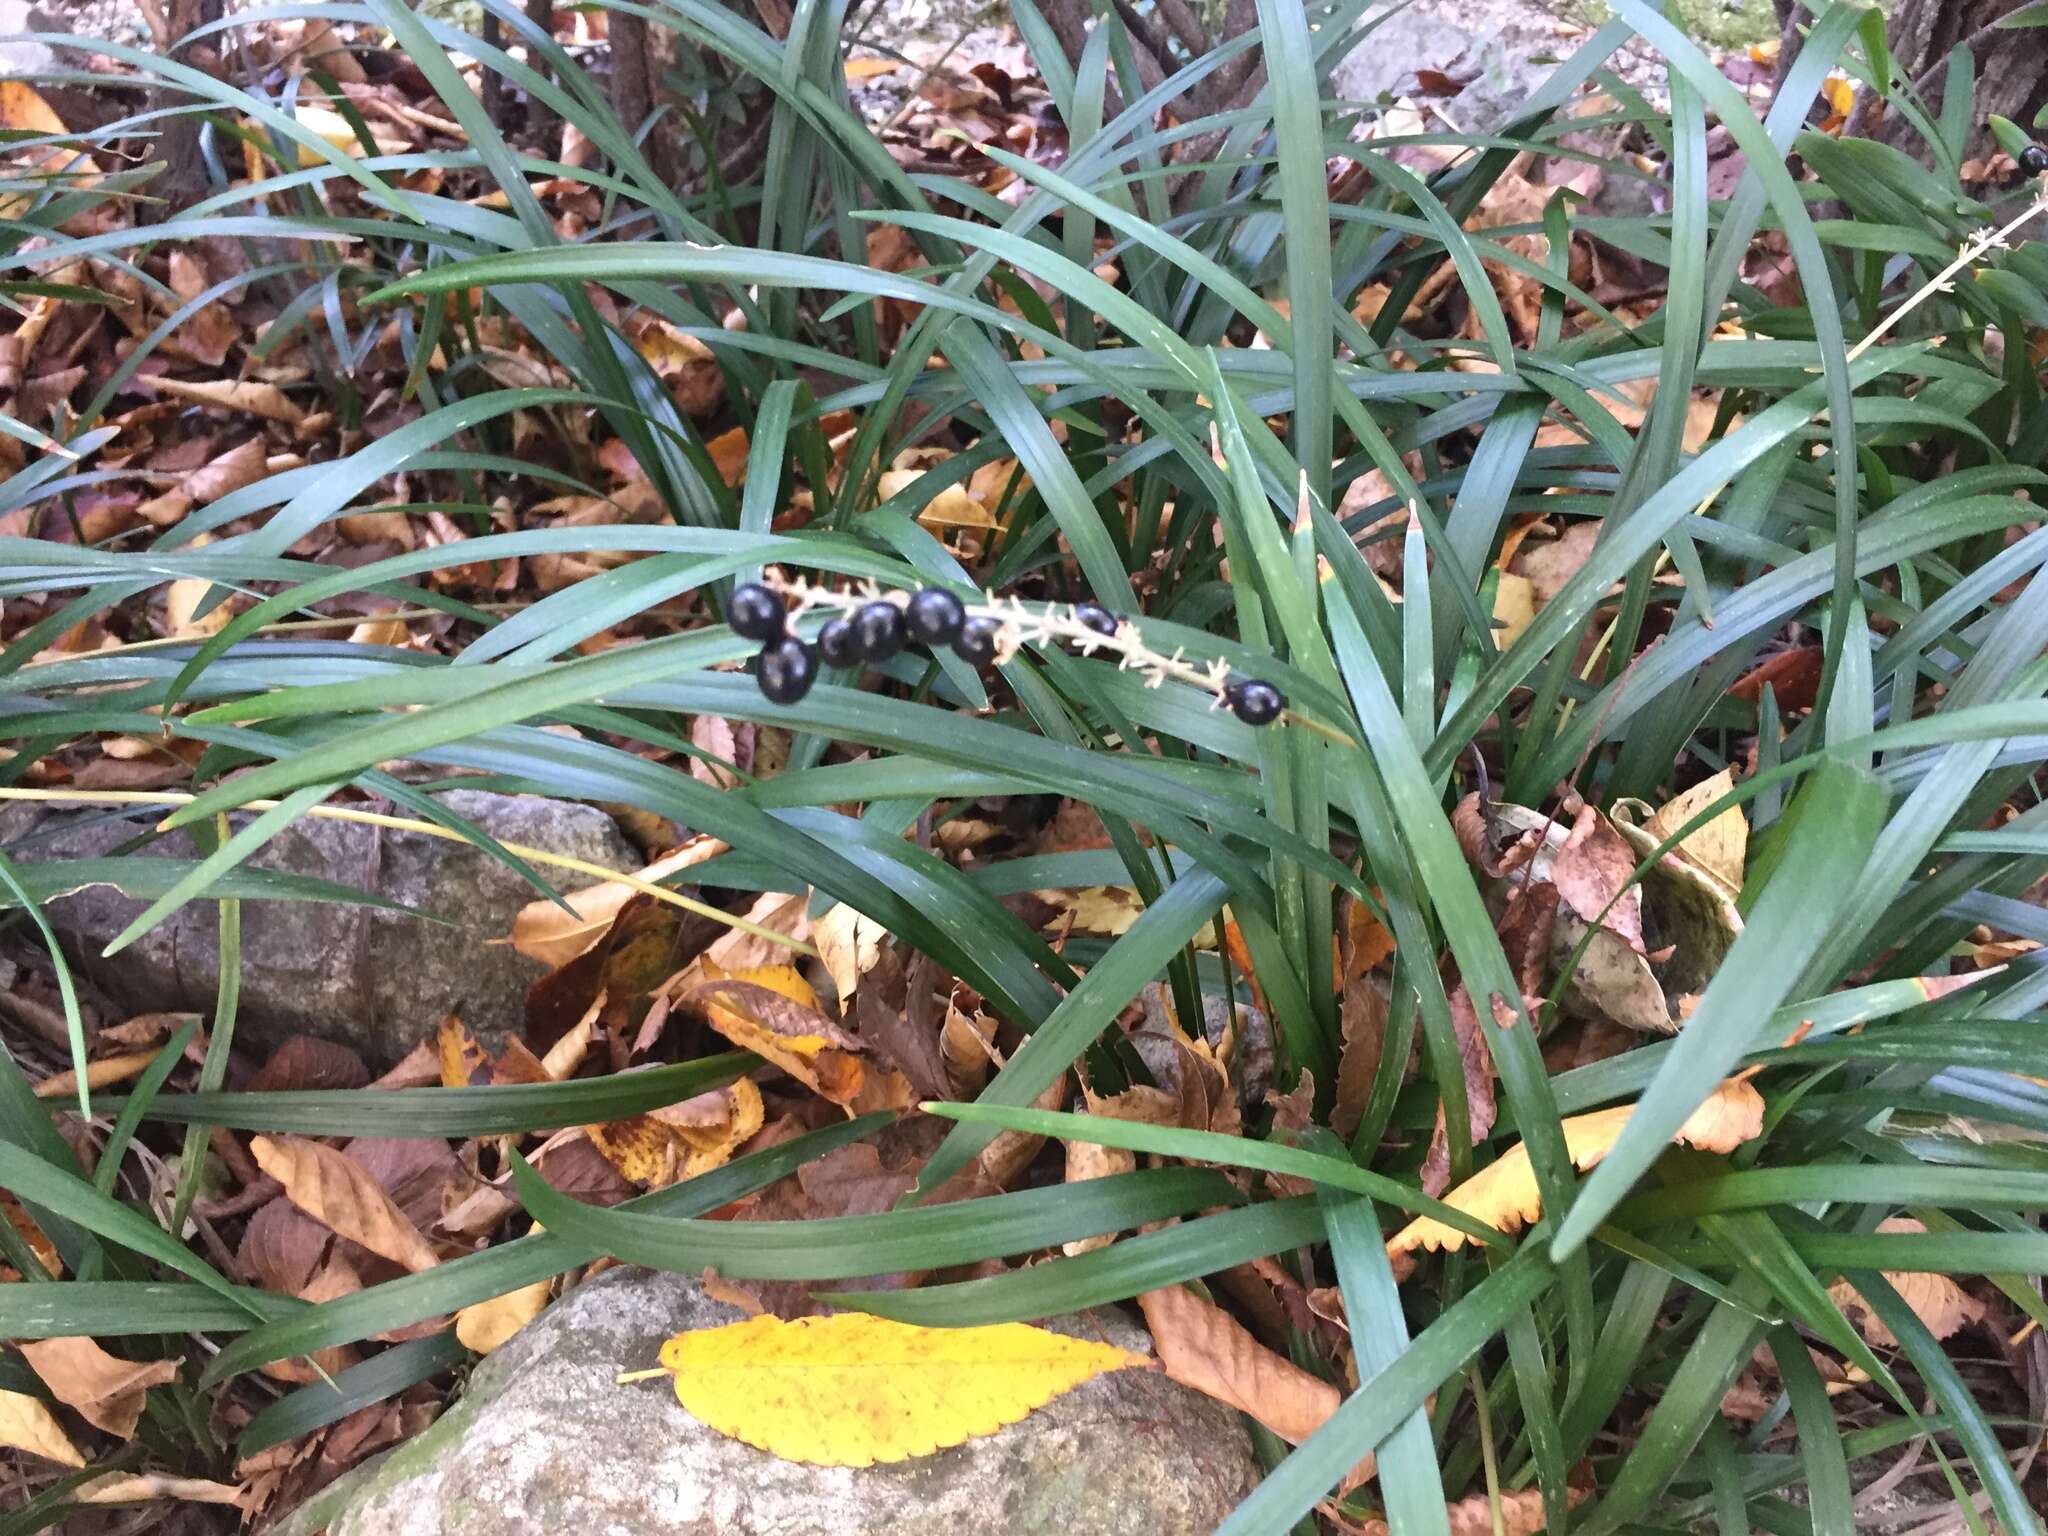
x=851 y=1390
x=543 y=931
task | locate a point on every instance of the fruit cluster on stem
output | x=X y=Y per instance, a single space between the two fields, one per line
x=870 y=626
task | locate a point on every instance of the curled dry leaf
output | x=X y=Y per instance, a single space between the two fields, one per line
x=771 y=1011
x=1504 y=1193
x=849 y=943
x=851 y=1390
x=333 y=1189
x=104 y=1073
x=543 y=931
x=1202 y=1346
x=106 y=1392
x=680 y=1141
x=1719 y=849
x=1937 y=1300
x=26 y=1425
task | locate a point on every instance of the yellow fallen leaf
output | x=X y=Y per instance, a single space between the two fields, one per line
x=23 y=110
x=1504 y=1193
x=858 y=70
x=106 y=1392
x=543 y=931
x=1514 y=608
x=1937 y=1300
x=771 y=1011
x=335 y=1190
x=484 y=1325
x=682 y=1140
x=338 y=131
x=1721 y=847
x=26 y=1425
x=849 y=942
x=851 y=1390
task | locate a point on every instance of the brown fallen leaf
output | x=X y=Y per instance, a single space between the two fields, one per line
x=104 y=1391
x=25 y=1424
x=1593 y=869
x=850 y=944
x=12 y=1213
x=250 y=397
x=1937 y=1300
x=1201 y=1346
x=335 y=1190
x=240 y=466
x=543 y=931
x=1363 y=1015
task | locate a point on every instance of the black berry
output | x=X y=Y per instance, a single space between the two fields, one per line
x=786 y=668
x=1098 y=618
x=935 y=617
x=976 y=644
x=838 y=644
x=878 y=631
x=755 y=613
x=2034 y=159
x=1254 y=702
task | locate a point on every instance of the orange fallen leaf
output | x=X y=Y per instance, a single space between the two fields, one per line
x=851 y=1390
x=1504 y=1193
x=12 y=1213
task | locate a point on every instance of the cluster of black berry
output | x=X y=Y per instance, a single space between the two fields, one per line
x=876 y=631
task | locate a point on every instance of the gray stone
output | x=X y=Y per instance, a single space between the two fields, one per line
x=544 y=1442
x=1500 y=50
x=375 y=980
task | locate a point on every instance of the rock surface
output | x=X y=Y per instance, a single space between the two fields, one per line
x=375 y=980
x=1499 y=52
x=545 y=1443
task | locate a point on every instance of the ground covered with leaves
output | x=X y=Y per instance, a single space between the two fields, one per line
x=1579 y=1066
